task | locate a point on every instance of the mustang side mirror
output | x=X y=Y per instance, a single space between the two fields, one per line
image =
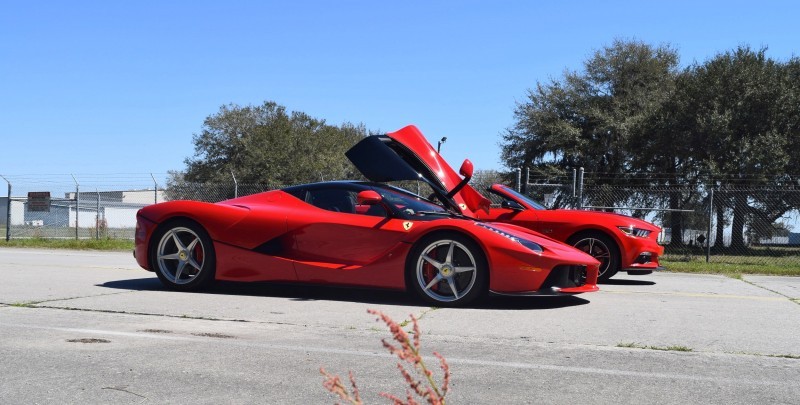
x=513 y=205
x=368 y=197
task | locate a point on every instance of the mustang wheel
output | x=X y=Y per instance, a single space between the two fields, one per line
x=447 y=269
x=602 y=248
x=184 y=258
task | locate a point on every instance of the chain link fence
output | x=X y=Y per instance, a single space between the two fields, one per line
x=747 y=225
x=95 y=209
x=752 y=225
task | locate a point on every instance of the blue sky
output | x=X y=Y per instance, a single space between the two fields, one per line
x=120 y=86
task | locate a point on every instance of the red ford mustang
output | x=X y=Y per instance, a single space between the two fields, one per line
x=359 y=234
x=619 y=242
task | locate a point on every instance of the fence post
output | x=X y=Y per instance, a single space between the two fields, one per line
x=235 y=185
x=519 y=179
x=8 y=210
x=527 y=175
x=77 y=204
x=574 y=181
x=710 y=218
x=580 y=188
x=97 y=216
x=155 y=189
x=527 y=179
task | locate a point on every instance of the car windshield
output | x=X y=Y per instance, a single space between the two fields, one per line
x=407 y=202
x=524 y=198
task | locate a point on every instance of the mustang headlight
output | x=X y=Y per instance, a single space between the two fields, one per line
x=637 y=232
x=535 y=247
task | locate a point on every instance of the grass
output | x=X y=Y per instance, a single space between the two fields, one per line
x=673 y=348
x=80 y=244
x=785 y=356
x=23 y=304
x=734 y=270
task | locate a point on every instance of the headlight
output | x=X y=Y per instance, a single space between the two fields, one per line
x=637 y=232
x=533 y=246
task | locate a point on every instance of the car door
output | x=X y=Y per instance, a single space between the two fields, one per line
x=338 y=241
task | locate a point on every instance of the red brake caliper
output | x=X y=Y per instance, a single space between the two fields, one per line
x=198 y=254
x=430 y=272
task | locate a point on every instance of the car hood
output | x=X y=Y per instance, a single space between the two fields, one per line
x=406 y=155
x=617 y=219
x=596 y=217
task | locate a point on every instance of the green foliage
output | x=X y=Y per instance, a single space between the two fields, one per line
x=630 y=113
x=266 y=145
x=588 y=118
x=673 y=348
x=734 y=266
x=79 y=244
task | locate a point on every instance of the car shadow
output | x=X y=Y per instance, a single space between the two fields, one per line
x=624 y=281
x=308 y=292
x=530 y=303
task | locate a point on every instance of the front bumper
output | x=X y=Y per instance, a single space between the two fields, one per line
x=550 y=292
x=144 y=230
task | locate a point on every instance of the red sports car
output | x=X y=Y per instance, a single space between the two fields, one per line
x=619 y=242
x=359 y=234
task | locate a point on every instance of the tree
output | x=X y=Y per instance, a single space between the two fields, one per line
x=742 y=129
x=589 y=118
x=728 y=122
x=266 y=145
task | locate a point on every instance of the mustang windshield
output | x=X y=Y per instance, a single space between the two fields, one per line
x=524 y=198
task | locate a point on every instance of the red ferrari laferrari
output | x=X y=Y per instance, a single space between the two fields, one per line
x=360 y=234
x=619 y=242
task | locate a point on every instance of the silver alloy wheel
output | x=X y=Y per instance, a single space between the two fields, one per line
x=180 y=255
x=597 y=249
x=446 y=270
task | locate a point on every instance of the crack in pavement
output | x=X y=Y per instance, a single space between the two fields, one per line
x=123 y=389
x=703 y=295
x=772 y=291
x=35 y=303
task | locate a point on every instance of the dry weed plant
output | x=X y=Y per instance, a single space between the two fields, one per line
x=407 y=350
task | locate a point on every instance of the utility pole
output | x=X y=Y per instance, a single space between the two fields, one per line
x=8 y=210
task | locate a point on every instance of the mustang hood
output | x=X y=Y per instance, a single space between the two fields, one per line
x=407 y=155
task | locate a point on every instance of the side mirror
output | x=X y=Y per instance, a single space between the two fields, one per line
x=512 y=205
x=368 y=197
x=466 y=169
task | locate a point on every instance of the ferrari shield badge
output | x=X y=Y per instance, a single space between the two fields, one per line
x=462 y=206
x=407 y=225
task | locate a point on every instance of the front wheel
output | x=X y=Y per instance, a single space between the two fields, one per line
x=602 y=248
x=447 y=269
x=184 y=257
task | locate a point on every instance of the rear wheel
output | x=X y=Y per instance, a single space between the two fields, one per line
x=184 y=257
x=447 y=269
x=602 y=248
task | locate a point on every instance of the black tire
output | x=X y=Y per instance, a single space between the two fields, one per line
x=601 y=247
x=447 y=283
x=182 y=255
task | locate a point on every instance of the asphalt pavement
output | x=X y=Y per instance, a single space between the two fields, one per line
x=92 y=327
